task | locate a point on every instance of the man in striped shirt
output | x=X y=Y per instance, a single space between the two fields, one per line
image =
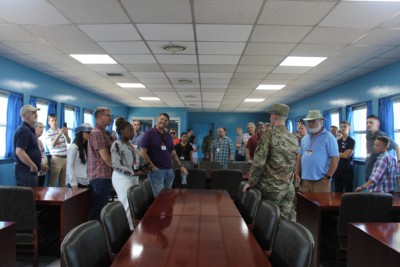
x=384 y=173
x=56 y=141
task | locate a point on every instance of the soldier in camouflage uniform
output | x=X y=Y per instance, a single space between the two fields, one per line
x=274 y=162
x=207 y=145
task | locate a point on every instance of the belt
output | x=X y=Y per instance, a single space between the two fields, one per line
x=59 y=156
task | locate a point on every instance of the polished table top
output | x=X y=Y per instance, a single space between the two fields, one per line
x=386 y=233
x=5 y=225
x=48 y=195
x=191 y=241
x=201 y=202
x=332 y=200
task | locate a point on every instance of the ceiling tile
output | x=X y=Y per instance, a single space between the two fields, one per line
x=125 y=47
x=180 y=75
x=11 y=33
x=214 y=86
x=394 y=53
x=268 y=49
x=176 y=59
x=261 y=60
x=255 y=69
x=179 y=68
x=215 y=81
x=219 y=59
x=138 y=74
x=134 y=59
x=285 y=69
x=243 y=75
x=224 y=48
x=111 y=32
x=106 y=68
x=363 y=51
x=71 y=47
x=279 y=34
x=217 y=68
x=142 y=67
x=229 y=33
x=157 y=47
x=32 y=47
x=166 y=32
x=205 y=75
x=58 y=33
x=380 y=37
x=316 y=50
x=325 y=35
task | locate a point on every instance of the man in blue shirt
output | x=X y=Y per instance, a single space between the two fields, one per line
x=27 y=154
x=318 y=156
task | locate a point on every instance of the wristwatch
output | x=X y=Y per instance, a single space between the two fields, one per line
x=329 y=177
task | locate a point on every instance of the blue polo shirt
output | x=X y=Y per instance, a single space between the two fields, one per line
x=316 y=153
x=26 y=139
x=153 y=140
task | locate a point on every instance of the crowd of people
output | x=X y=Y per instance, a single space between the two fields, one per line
x=312 y=159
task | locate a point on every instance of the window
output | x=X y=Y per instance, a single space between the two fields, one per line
x=396 y=111
x=42 y=113
x=3 y=123
x=146 y=123
x=175 y=123
x=88 y=116
x=289 y=124
x=335 y=118
x=69 y=118
x=360 y=131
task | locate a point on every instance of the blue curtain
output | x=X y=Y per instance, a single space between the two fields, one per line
x=62 y=116
x=369 y=108
x=13 y=121
x=288 y=125
x=386 y=116
x=77 y=120
x=328 y=121
x=52 y=109
x=33 y=100
x=349 y=111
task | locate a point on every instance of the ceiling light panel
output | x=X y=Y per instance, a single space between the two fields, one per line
x=270 y=86
x=147 y=98
x=131 y=85
x=302 y=61
x=255 y=100
x=93 y=59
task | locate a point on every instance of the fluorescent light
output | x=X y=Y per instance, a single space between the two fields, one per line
x=371 y=0
x=302 y=61
x=254 y=99
x=270 y=86
x=146 y=98
x=131 y=85
x=94 y=59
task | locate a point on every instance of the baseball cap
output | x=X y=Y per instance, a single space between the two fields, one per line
x=27 y=108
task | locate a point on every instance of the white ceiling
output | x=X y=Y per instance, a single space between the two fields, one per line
x=232 y=46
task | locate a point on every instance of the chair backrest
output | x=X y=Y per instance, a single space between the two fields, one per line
x=265 y=224
x=293 y=245
x=196 y=179
x=240 y=195
x=186 y=163
x=116 y=226
x=251 y=201
x=137 y=202
x=85 y=246
x=148 y=192
x=17 y=204
x=209 y=165
x=363 y=207
x=240 y=165
x=226 y=179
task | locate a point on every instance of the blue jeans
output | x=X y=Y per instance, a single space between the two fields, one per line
x=100 y=194
x=160 y=179
x=26 y=178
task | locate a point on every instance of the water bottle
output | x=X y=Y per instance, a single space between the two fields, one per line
x=184 y=178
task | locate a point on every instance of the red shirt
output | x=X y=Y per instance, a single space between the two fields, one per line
x=96 y=167
x=176 y=141
x=252 y=144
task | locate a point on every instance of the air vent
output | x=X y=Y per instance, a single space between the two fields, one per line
x=114 y=74
x=174 y=48
x=190 y=96
x=193 y=105
x=184 y=81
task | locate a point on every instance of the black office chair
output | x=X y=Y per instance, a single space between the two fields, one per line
x=196 y=179
x=265 y=224
x=293 y=245
x=239 y=165
x=137 y=203
x=148 y=192
x=85 y=246
x=209 y=165
x=250 y=205
x=17 y=204
x=361 y=207
x=226 y=179
x=116 y=226
x=240 y=195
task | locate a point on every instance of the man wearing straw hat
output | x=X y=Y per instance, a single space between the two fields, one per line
x=318 y=156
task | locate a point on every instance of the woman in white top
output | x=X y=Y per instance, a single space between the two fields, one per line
x=125 y=164
x=195 y=156
x=77 y=158
x=39 y=127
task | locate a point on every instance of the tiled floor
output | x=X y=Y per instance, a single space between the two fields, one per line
x=26 y=261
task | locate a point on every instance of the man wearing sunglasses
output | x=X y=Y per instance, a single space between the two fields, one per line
x=175 y=137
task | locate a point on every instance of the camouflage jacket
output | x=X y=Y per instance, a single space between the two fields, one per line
x=274 y=159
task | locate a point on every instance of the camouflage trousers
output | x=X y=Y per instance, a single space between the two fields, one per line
x=282 y=197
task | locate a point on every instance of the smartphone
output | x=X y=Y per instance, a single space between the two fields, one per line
x=65 y=125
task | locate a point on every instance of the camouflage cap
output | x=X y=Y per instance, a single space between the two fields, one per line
x=279 y=109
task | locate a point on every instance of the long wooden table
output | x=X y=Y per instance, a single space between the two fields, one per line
x=7 y=244
x=312 y=207
x=186 y=227
x=73 y=205
x=373 y=244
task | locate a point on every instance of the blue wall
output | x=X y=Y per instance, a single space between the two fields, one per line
x=18 y=78
x=372 y=86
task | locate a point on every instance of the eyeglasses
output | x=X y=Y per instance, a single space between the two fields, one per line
x=108 y=115
x=172 y=132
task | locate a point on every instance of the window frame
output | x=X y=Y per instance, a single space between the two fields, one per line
x=4 y=94
x=360 y=132
x=396 y=100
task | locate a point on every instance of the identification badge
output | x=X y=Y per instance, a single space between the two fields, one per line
x=217 y=149
x=135 y=146
x=136 y=166
x=163 y=148
x=368 y=155
x=182 y=158
x=309 y=152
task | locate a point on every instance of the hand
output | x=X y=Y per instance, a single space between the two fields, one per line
x=326 y=180
x=298 y=178
x=183 y=170
x=250 y=161
x=45 y=167
x=64 y=130
x=246 y=187
x=358 y=189
x=154 y=168
x=34 y=169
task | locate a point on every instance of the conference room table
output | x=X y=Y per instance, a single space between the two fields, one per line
x=71 y=205
x=190 y=227
x=317 y=212
x=7 y=244
x=373 y=244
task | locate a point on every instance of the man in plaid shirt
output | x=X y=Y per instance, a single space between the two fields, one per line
x=384 y=172
x=222 y=149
